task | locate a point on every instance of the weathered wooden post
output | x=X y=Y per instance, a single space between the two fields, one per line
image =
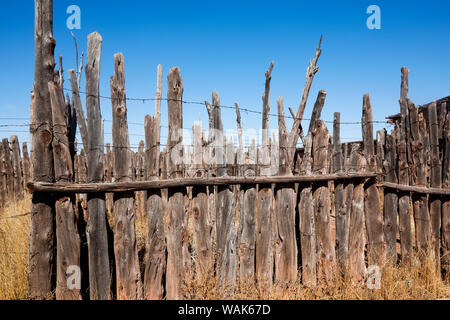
x=68 y=239
x=8 y=169
x=340 y=203
x=374 y=217
x=357 y=237
x=326 y=255
x=435 y=182
x=3 y=197
x=285 y=203
x=404 y=209
x=99 y=272
x=155 y=266
x=178 y=257
x=128 y=276
x=17 y=167
x=41 y=248
x=446 y=202
x=25 y=165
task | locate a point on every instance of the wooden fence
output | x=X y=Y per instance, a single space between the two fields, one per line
x=272 y=214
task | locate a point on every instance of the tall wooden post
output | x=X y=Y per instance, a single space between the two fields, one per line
x=41 y=247
x=436 y=182
x=374 y=217
x=128 y=276
x=25 y=165
x=446 y=202
x=17 y=167
x=68 y=239
x=155 y=266
x=404 y=208
x=99 y=273
x=178 y=258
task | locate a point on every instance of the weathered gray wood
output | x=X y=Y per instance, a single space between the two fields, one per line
x=67 y=237
x=296 y=126
x=155 y=261
x=17 y=167
x=26 y=169
x=340 y=204
x=317 y=110
x=3 y=196
x=76 y=102
x=8 y=169
x=285 y=241
x=373 y=215
x=326 y=256
x=128 y=276
x=390 y=199
x=435 y=182
x=183 y=182
x=282 y=139
x=178 y=264
x=403 y=169
x=446 y=202
x=41 y=248
x=357 y=238
x=99 y=272
x=308 y=238
x=264 y=159
x=264 y=260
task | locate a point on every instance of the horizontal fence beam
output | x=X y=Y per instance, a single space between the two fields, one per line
x=185 y=182
x=407 y=188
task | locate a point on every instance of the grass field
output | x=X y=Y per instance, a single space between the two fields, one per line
x=417 y=280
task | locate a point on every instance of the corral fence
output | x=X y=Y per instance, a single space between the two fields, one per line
x=271 y=214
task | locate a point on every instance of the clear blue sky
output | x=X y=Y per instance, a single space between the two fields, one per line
x=228 y=45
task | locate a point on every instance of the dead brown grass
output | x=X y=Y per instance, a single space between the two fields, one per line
x=14 y=250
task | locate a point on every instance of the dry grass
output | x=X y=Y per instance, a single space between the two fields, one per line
x=414 y=281
x=14 y=251
x=417 y=280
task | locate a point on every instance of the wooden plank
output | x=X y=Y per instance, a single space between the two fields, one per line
x=435 y=182
x=128 y=276
x=325 y=246
x=264 y=260
x=17 y=167
x=296 y=126
x=357 y=238
x=99 y=272
x=67 y=237
x=41 y=248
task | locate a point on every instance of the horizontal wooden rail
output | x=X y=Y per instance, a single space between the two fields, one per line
x=424 y=190
x=162 y=184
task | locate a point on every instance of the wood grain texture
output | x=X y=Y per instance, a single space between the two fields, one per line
x=128 y=276
x=41 y=247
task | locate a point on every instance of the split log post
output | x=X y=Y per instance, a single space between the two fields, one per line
x=264 y=159
x=373 y=215
x=178 y=259
x=25 y=165
x=307 y=222
x=67 y=237
x=435 y=182
x=404 y=209
x=340 y=204
x=41 y=247
x=285 y=205
x=8 y=169
x=390 y=198
x=357 y=238
x=155 y=266
x=446 y=201
x=226 y=232
x=128 y=276
x=17 y=167
x=325 y=247
x=3 y=196
x=99 y=272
